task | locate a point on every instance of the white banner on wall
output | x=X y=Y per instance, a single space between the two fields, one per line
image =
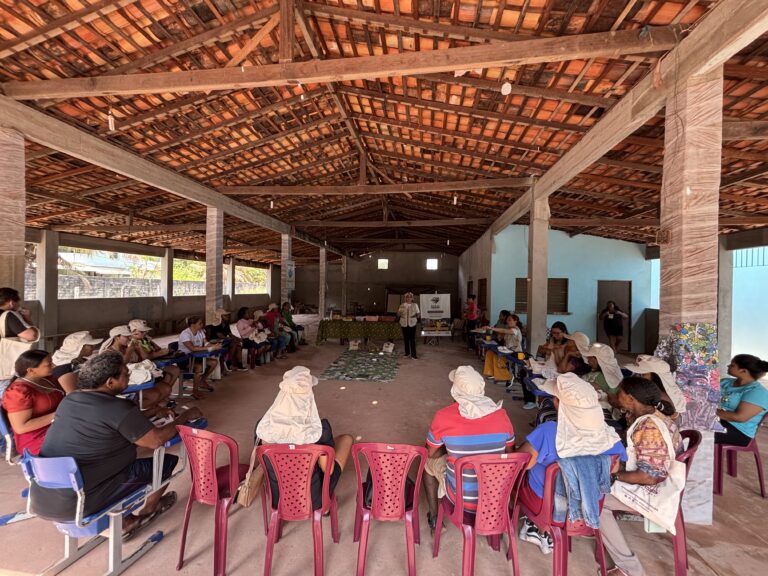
x=435 y=306
x=290 y=274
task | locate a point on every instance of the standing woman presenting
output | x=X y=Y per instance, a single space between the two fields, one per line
x=409 y=315
x=613 y=324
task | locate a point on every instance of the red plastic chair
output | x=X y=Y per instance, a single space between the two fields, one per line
x=497 y=476
x=211 y=486
x=389 y=465
x=679 y=541
x=293 y=466
x=729 y=451
x=561 y=532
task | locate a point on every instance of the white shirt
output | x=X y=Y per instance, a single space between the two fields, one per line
x=409 y=314
x=196 y=339
x=514 y=340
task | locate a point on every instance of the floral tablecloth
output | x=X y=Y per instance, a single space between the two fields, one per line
x=353 y=330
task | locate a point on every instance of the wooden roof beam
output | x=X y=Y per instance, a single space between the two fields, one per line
x=745 y=129
x=730 y=26
x=421 y=187
x=48 y=131
x=653 y=222
x=127 y=229
x=391 y=223
x=532 y=51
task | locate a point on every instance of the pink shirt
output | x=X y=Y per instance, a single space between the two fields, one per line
x=245 y=327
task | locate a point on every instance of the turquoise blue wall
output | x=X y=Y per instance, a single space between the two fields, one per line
x=750 y=305
x=583 y=260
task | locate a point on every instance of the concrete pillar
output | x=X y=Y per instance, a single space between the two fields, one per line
x=13 y=196
x=166 y=287
x=230 y=289
x=323 y=282
x=724 y=303
x=344 y=285
x=287 y=270
x=538 y=272
x=689 y=265
x=48 y=288
x=214 y=264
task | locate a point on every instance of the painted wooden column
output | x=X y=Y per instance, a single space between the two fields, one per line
x=287 y=271
x=13 y=196
x=724 y=303
x=689 y=266
x=166 y=287
x=214 y=262
x=48 y=288
x=538 y=272
x=231 y=280
x=344 y=285
x=323 y=281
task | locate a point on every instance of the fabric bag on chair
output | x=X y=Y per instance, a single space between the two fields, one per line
x=658 y=503
x=251 y=484
x=11 y=348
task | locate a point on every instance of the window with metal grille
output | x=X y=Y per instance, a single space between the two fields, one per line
x=557 y=295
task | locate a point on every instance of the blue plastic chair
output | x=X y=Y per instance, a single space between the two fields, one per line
x=139 y=389
x=9 y=453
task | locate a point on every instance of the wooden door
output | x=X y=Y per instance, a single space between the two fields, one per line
x=620 y=291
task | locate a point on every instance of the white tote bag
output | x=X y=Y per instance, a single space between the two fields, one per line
x=10 y=349
x=658 y=503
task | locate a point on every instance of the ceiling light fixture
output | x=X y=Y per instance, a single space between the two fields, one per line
x=110 y=120
x=448 y=242
x=455 y=199
x=506 y=89
x=271 y=203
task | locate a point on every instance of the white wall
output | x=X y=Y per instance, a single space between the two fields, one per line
x=583 y=260
x=474 y=264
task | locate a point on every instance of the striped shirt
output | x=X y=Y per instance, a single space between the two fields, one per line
x=491 y=434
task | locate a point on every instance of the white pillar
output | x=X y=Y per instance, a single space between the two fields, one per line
x=538 y=271
x=689 y=264
x=214 y=265
x=231 y=264
x=287 y=281
x=344 y=285
x=48 y=288
x=322 y=282
x=13 y=196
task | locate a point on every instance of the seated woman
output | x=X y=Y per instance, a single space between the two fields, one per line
x=31 y=400
x=248 y=328
x=153 y=399
x=576 y=346
x=141 y=347
x=658 y=371
x=293 y=419
x=501 y=322
x=273 y=320
x=219 y=331
x=743 y=400
x=67 y=360
x=270 y=323
x=101 y=431
x=581 y=431
x=554 y=347
x=641 y=399
x=496 y=367
x=605 y=377
x=192 y=339
x=297 y=329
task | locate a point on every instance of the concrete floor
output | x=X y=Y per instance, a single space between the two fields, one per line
x=735 y=544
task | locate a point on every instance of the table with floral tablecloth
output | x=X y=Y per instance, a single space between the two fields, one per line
x=354 y=330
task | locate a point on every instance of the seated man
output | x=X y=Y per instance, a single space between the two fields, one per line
x=297 y=331
x=101 y=432
x=73 y=353
x=579 y=431
x=474 y=424
x=141 y=347
x=218 y=331
x=192 y=339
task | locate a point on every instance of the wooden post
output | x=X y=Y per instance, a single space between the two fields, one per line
x=344 y=285
x=689 y=265
x=214 y=264
x=724 y=303
x=287 y=21
x=538 y=271
x=322 y=283
x=14 y=201
x=166 y=287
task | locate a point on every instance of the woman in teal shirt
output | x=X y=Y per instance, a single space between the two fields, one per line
x=743 y=400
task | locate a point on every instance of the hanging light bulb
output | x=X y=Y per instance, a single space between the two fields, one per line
x=506 y=89
x=448 y=242
x=271 y=204
x=455 y=199
x=110 y=120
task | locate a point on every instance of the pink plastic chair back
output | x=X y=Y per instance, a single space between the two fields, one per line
x=201 y=447
x=694 y=439
x=389 y=465
x=497 y=476
x=293 y=465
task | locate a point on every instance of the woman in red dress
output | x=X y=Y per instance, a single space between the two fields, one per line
x=31 y=400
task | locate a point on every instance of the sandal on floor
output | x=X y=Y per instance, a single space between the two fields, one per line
x=165 y=504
